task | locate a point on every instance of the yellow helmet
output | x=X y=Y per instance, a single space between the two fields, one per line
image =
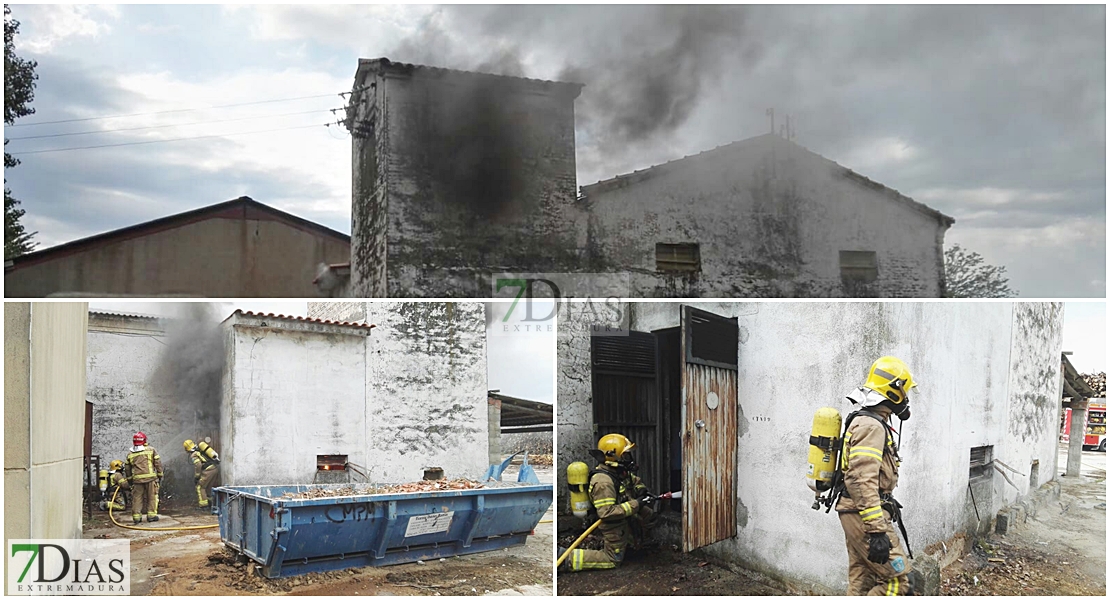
x=189 y=446
x=115 y=465
x=614 y=446
x=892 y=378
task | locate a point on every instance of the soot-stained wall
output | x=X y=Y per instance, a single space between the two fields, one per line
x=770 y=219
x=131 y=390
x=988 y=375
x=426 y=394
x=457 y=175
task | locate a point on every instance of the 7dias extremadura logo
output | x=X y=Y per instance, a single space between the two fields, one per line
x=69 y=567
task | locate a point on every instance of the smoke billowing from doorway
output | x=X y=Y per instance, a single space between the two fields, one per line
x=190 y=370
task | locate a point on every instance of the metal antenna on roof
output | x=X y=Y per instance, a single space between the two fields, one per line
x=771 y=113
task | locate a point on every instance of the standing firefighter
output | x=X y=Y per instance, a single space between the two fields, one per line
x=869 y=461
x=205 y=467
x=621 y=501
x=144 y=471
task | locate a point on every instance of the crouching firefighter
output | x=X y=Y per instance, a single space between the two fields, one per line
x=117 y=486
x=621 y=502
x=205 y=467
x=866 y=474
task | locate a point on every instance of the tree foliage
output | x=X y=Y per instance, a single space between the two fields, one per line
x=968 y=276
x=19 y=92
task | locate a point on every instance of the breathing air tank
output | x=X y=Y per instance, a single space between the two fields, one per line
x=102 y=478
x=578 y=480
x=207 y=450
x=824 y=445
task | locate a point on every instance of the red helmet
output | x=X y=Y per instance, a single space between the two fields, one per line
x=139 y=439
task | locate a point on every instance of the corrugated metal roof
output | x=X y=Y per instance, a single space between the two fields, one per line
x=242 y=207
x=248 y=313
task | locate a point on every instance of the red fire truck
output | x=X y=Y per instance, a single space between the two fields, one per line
x=1095 y=432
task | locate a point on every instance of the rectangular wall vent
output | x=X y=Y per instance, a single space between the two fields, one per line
x=859 y=266
x=677 y=258
x=980 y=466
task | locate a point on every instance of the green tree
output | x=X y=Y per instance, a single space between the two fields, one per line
x=968 y=276
x=19 y=91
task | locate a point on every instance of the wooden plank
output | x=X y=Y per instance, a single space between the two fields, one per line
x=709 y=453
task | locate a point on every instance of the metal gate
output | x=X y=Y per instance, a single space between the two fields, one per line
x=626 y=398
x=710 y=346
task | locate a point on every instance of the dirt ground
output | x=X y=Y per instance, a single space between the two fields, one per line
x=1059 y=551
x=193 y=563
x=664 y=570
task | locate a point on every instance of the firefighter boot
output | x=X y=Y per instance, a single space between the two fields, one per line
x=151 y=517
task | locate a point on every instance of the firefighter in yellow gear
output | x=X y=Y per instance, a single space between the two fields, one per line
x=144 y=472
x=621 y=500
x=205 y=468
x=117 y=481
x=877 y=564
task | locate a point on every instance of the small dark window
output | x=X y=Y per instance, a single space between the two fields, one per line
x=331 y=462
x=859 y=265
x=677 y=258
x=980 y=466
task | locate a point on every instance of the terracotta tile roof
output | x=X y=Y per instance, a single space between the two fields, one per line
x=113 y=313
x=248 y=313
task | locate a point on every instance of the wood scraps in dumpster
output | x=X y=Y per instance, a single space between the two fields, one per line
x=416 y=486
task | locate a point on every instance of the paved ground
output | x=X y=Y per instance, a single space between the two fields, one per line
x=1059 y=551
x=185 y=563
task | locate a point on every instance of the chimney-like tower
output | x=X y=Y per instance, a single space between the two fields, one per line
x=458 y=175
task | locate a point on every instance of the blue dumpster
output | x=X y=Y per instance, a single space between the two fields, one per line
x=292 y=537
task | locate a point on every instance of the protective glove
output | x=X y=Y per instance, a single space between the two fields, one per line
x=196 y=478
x=879 y=548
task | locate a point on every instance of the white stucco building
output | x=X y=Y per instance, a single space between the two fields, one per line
x=399 y=392
x=989 y=389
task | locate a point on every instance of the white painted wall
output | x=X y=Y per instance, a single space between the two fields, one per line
x=44 y=415
x=409 y=396
x=988 y=374
x=292 y=396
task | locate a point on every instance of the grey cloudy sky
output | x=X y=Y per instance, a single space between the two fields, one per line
x=995 y=115
x=519 y=362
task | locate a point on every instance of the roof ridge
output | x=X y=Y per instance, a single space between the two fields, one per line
x=251 y=313
x=387 y=63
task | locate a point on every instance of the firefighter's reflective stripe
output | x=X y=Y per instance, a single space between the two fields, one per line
x=627 y=508
x=892 y=586
x=875 y=453
x=604 y=502
x=870 y=514
x=151 y=457
x=578 y=562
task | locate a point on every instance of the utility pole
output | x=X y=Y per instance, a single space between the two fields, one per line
x=771 y=113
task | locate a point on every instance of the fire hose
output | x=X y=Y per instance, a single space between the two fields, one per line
x=113 y=518
x=588 y=531
x=591 y=528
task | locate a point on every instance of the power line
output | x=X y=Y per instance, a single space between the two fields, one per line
x=162 y=112
x=199 y=137
x=55 y=135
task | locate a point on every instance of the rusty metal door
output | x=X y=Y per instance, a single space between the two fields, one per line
x=626 y=397
x=710 y=347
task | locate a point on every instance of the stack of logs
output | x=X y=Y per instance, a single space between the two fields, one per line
x=1097 y=381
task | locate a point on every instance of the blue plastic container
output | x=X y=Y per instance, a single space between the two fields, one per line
x=293 y=537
